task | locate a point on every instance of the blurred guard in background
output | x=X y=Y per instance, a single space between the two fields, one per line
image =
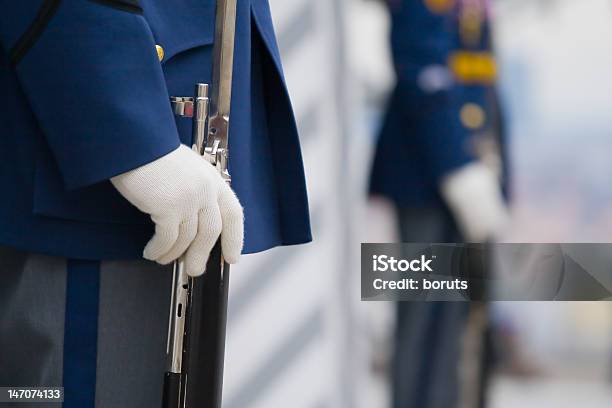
x=428 y=162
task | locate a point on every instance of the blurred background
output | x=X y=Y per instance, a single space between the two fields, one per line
x=298 y=335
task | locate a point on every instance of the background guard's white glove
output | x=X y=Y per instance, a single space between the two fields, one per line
x=190 y=205
x=474 y=196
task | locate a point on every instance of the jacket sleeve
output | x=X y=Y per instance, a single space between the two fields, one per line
x=91 y=74
x=422 y=39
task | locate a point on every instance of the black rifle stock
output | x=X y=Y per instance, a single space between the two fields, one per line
x=200 y=380
x=207 y=323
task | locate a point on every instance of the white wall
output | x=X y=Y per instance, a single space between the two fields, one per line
x=288 y=331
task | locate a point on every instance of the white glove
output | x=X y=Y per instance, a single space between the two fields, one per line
x=474 y=196
x=190 y=205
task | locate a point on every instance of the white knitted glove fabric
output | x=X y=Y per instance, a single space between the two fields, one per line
x=474 y=196
x=190 y=205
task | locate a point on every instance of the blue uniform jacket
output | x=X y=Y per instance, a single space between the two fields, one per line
x=84 y=97
x=422 y=138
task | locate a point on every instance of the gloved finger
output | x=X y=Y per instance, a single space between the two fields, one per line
x=232 y=236
x=187 y=232
x=165 y=236
x=209 y=229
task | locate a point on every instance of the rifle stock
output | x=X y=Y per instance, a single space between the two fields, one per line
x=207 y=327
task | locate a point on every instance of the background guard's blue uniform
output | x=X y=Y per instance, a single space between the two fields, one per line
x=421 y=139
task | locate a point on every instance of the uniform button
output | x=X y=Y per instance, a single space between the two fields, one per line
x=160 y=52
x=472 y=116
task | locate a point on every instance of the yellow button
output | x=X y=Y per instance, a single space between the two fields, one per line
x=472 y=116
x=160 y=52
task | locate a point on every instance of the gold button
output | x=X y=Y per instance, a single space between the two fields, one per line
x=160 y=52
x=472 y=116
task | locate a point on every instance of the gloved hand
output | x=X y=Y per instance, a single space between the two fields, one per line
x=474 y=196
x=190 y=205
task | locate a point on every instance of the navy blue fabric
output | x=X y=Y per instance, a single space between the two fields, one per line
x=90 y=100
x=422 y=138
x=81 y=333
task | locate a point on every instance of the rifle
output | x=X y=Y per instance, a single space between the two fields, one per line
x=198 y=311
